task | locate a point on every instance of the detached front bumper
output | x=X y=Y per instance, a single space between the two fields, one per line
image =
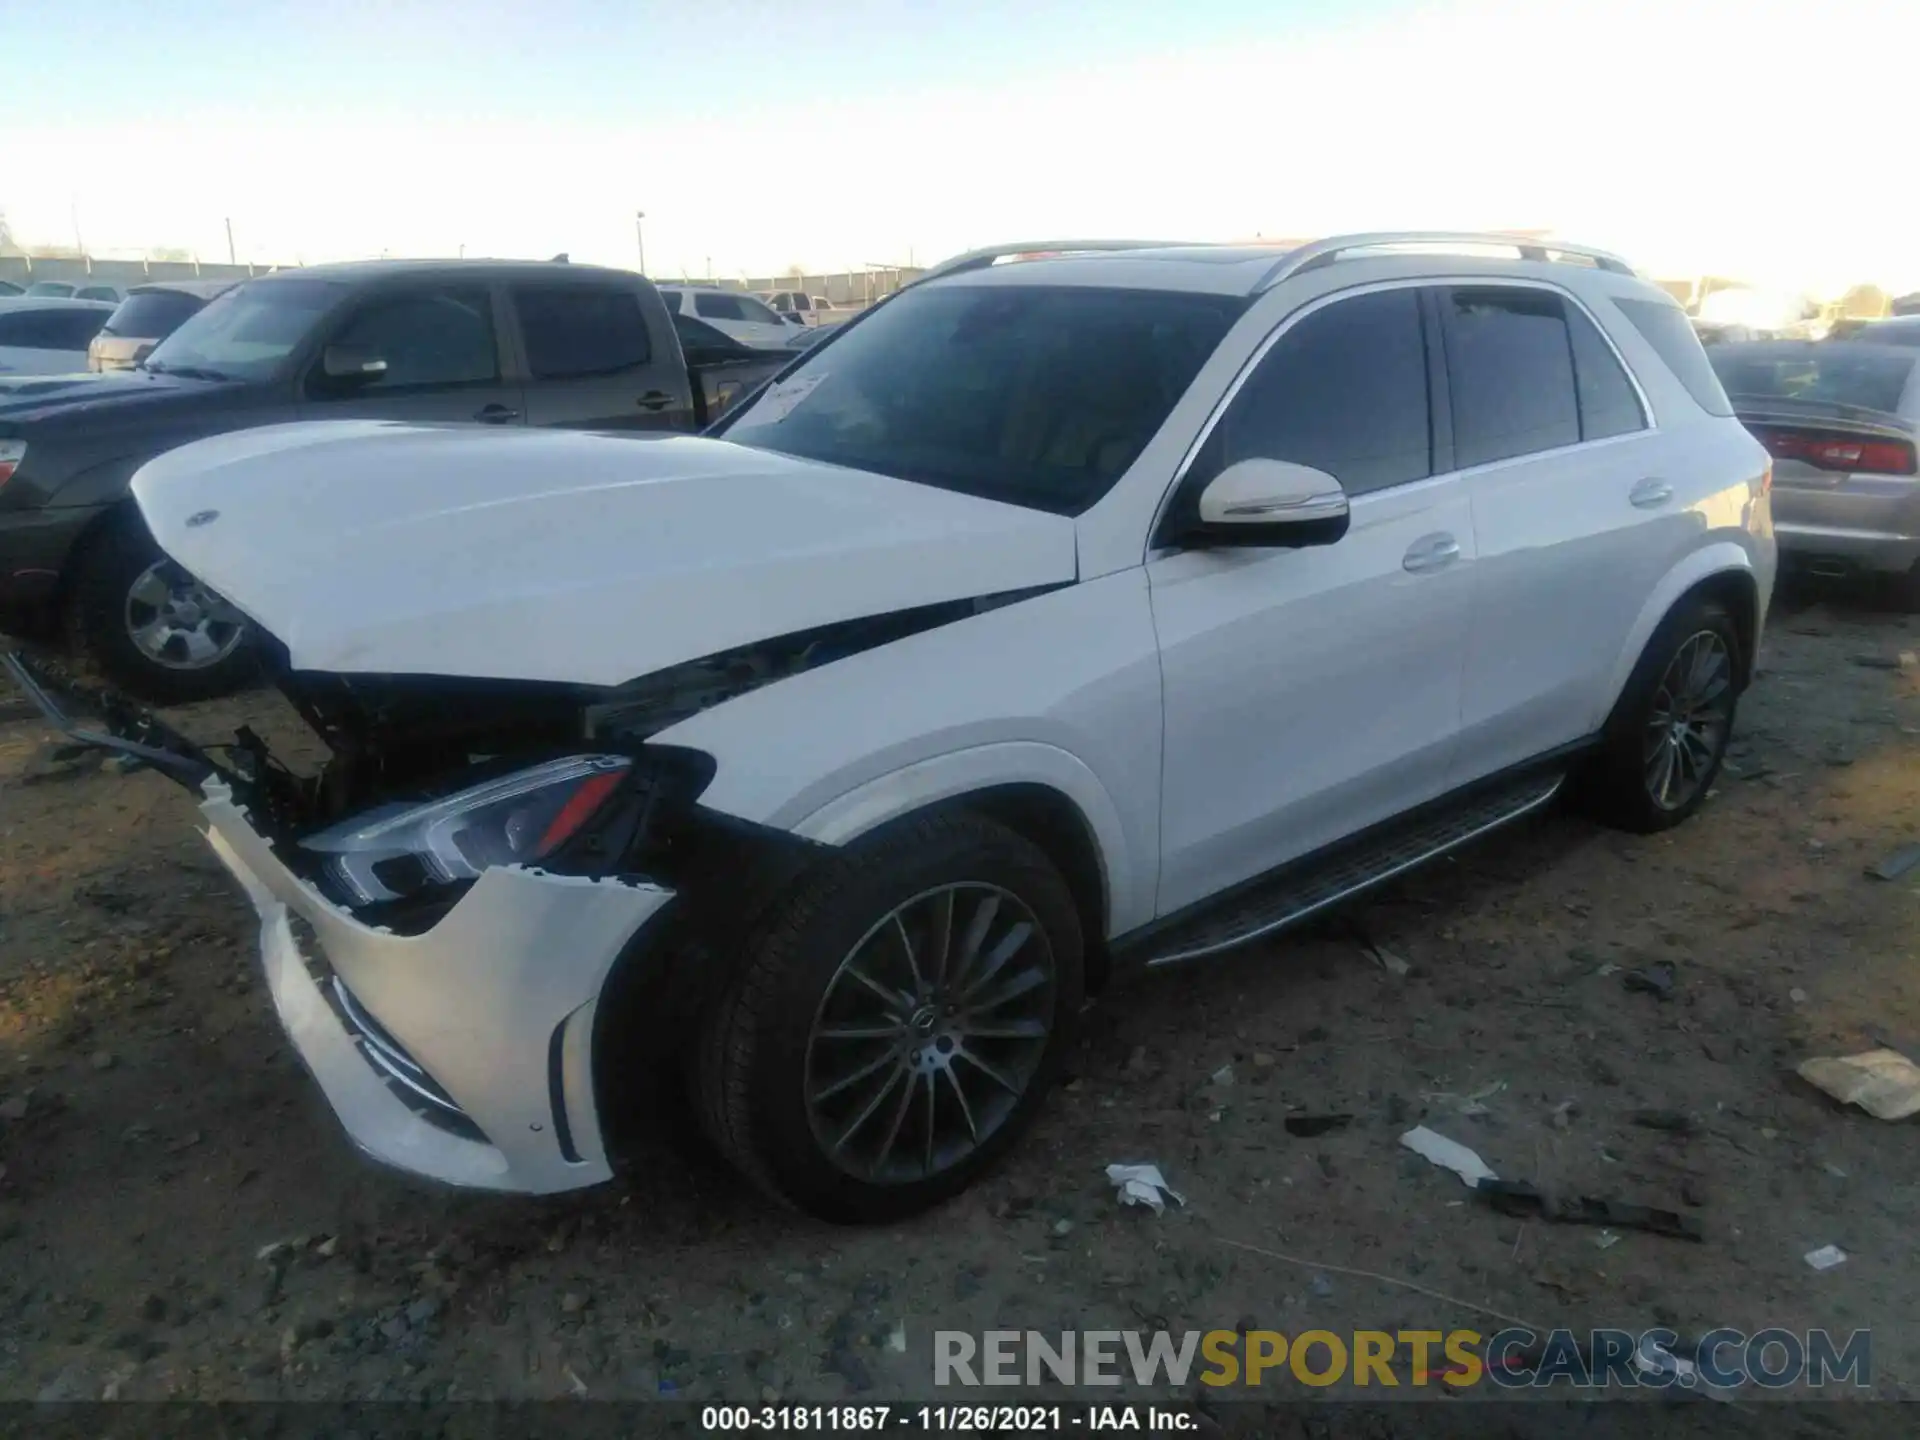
x=463 y=1054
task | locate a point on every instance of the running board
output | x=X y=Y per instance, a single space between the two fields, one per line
x=1300 y=891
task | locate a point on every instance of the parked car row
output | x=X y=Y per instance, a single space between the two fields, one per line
x=1053 y=618
x=502 y=344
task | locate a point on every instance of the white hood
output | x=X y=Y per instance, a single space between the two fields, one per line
x=547 y=555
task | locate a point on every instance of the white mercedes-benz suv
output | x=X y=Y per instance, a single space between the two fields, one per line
x=1082 y=606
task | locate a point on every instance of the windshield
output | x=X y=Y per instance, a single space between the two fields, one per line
x=247 y=333
x=1835 y=373
x=1037 y=395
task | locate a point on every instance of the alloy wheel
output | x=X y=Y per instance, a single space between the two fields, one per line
x=929 y=1033
x=1692 y=710
x=175 y=621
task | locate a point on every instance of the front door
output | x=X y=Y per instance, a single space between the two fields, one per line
x=440 y=353
x=1310 y=693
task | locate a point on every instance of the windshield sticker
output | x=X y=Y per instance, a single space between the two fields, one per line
x=781 y=401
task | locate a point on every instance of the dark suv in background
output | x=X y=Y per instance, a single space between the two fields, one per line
x=495 y=342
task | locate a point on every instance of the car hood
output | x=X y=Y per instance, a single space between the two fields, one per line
x=71 y=401
x=370 y=547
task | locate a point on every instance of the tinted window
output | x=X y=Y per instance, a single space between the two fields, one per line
x=1345 y=391
x=1608 y=405
x=98 y=292
x=1890 y=332
x=61 y=329
x=573 y=330
x=700 y=340
x=1510 y=370
x=711 y=305
x=1666 y=328
x=1834 y=373
x=50 y=289
x=442 y=336
x=248 y=332
x=1034 y=394
x=152 y=314
x=758 y=312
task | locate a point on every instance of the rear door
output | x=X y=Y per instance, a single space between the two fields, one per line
x=598 y=358
x=441 y=347
x=1572 y=512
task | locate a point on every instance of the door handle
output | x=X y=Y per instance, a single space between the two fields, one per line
x=495 y=414
x=1650 y=494
x=654 y=400
x=1431 y=552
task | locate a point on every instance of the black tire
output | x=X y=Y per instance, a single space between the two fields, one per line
x=1904 y=592
x=751 y=1067
x=112 y=560
x=1619 y=787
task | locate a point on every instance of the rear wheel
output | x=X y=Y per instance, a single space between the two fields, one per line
x=151 y=627
x=897 y=1021
x=1668 y=735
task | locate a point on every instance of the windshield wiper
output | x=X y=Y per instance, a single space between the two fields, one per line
x=192 y=372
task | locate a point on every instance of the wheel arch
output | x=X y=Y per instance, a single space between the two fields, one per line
x=1723 y=572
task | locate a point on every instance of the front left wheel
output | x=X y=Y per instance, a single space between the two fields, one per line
x=896 y=1022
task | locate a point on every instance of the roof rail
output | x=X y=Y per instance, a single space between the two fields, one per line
x=980 y=259
x=1325 y=252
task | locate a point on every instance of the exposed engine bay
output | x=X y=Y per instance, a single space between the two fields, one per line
x=429 y=779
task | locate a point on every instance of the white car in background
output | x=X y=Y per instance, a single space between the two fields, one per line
x=737 y=315
x=1050 y=619
x=41 y=336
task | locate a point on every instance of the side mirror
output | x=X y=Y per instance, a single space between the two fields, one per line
x=1270 y=503
x=351 y=364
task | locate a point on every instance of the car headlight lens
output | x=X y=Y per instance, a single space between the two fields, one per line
x=395 y=850
x=12 y=452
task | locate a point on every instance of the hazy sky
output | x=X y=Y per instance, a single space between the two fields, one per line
x=1744 y=135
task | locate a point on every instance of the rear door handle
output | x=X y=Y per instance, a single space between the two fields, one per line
x=1650 y=494
x=1431 y=552
x=495 y=414
x=654 y=400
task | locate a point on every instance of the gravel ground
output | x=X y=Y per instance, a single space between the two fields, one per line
x=180 y=1216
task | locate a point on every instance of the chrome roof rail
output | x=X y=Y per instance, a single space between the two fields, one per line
x=1325 y=252
x=980 y=259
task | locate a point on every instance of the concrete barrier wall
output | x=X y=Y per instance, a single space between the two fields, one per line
x=119 y=273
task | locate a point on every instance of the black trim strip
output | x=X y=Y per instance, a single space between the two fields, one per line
x=557 y=1092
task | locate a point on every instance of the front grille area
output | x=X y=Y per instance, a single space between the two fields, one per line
x=388 y=1057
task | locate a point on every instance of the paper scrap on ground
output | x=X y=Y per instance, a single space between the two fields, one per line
x=1449 y=1154
x=1884 y=1083
x=1144 y=1185
x=1826 y=1257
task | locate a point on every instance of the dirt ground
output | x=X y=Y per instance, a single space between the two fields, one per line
x=181 y=1217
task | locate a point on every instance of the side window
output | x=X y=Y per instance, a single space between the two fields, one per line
x=712 y=305
x=1510 y=370
x=578 y=330
x=1345 y=391
x=1608 y=404
x=1665 y=327
x=442 y=336
x=759 y=313
x=52 y=329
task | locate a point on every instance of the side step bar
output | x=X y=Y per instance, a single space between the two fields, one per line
x=1307 y=889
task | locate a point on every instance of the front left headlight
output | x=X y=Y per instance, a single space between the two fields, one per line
x=394 y=851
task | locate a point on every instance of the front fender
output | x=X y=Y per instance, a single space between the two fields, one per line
x=980 y=767
x=1720 y=558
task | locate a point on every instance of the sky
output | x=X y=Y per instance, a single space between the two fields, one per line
x=1748 y=138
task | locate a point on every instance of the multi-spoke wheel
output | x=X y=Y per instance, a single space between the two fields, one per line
x=1687 y=729
x=150 y=626
x=1668 y=734
x=897 y=1020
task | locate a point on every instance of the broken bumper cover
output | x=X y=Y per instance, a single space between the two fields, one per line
x=465 y=1053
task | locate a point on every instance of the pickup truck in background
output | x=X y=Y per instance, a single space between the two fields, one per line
x=495 y=342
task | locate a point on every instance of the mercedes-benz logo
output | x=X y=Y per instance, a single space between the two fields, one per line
x=202 y=517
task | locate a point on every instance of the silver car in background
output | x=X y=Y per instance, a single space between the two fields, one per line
x=1841 y=419
x=148 y=315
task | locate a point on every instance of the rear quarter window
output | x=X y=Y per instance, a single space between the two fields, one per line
x=1666 y=328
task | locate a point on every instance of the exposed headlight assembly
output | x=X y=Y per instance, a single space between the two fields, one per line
x=12 y=452
x=395 y=850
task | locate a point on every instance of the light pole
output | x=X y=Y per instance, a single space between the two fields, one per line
x=640 y=237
